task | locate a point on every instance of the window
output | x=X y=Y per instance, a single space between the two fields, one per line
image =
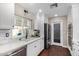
x=22 y=26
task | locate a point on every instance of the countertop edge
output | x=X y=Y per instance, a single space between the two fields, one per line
x=14 y=49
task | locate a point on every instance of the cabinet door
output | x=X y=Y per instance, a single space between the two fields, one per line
x=38 y=47
x=6 y=15
x=33 y=49
x=41 y=44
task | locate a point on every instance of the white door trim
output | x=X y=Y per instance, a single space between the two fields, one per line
x=61 y=33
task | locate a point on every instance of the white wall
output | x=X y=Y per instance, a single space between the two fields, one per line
x=46 y=20
x=39 y=23
x=41 y=26
x=64 y=20
x=75 y=16
x=19 y=10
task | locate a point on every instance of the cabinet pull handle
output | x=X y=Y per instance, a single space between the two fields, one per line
x=12 y=26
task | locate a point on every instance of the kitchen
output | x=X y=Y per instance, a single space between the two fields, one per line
x=17 y=35
x=28 y=29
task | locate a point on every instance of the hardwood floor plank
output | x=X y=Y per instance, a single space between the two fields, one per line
x=55 y=51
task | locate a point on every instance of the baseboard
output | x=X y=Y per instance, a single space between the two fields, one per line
x=65 y=47
x=70 y=51
x=55 y=44
x=40 y=52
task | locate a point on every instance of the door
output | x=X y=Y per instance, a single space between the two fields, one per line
x=56 y=33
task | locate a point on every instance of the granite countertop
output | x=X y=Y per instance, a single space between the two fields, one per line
x=8 y=48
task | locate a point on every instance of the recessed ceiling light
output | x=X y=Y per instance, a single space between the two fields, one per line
x=40 y=10
x=56 y=15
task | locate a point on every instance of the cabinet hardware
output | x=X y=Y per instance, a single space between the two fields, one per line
x=12 y=26
x=7 y=34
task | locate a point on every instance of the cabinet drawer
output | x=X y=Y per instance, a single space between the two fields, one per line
x=33 y=48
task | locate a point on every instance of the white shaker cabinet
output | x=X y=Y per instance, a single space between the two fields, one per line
x=34 y=48
x=6 y=15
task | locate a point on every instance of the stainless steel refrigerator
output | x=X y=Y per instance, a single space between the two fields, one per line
x=47 y=35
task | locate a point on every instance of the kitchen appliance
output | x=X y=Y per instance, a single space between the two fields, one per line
x=36 y=33
x=46 y=39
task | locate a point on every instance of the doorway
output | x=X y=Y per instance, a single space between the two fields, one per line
x=57 y=33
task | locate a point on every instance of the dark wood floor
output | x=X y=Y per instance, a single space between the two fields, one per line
x=55 y=51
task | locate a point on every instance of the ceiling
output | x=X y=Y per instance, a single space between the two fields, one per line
x=61 y=10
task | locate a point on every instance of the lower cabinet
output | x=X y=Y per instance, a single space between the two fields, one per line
x=41 y=44
x=34 y=48
x=19 y=52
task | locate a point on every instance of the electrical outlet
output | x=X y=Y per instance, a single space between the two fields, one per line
x=7 y=34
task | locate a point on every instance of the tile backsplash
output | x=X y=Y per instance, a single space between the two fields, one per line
x=5 y=34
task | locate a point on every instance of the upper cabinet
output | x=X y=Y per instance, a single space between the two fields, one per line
x=6 y=15
x=39 y=23
x=12 y=15
x=19 y=10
